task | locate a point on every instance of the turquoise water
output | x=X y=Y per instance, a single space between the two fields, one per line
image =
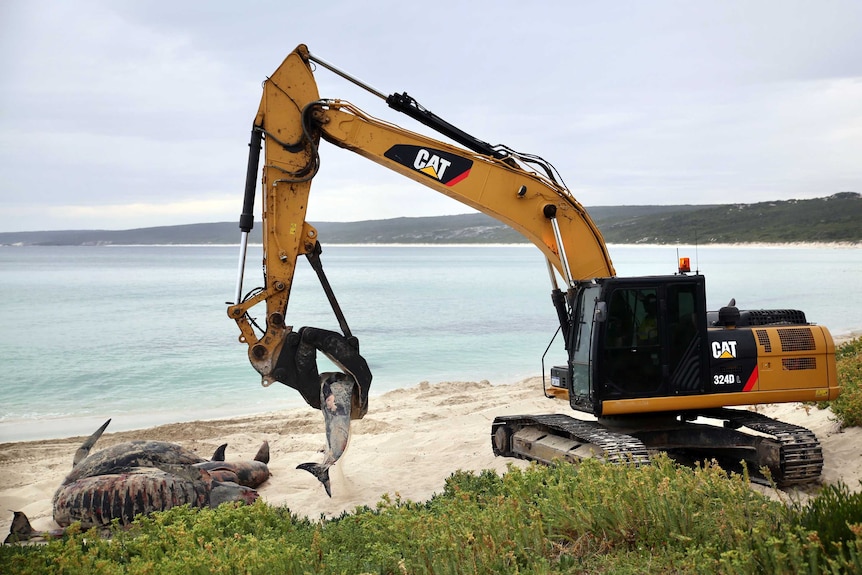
x=140 y=334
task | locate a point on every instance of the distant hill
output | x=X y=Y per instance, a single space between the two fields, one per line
x=837 y=218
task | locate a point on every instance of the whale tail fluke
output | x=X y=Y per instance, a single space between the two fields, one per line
x=319 y=471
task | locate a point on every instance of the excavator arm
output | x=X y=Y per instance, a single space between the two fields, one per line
x=520 y=190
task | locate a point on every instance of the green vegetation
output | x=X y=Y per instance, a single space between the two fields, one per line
x=848 y=406
x=597 y=518
x=832 y=219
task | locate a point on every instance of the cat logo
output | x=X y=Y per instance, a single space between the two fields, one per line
x=431 y=164
x=724 y=349
x=446 y=168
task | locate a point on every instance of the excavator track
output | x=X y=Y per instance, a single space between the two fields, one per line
x=791 y=452
x=544 y=438
x=801 y=459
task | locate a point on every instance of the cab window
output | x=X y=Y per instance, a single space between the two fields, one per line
x=632 y=351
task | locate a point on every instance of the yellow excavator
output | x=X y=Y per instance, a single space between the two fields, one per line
x=649 y=363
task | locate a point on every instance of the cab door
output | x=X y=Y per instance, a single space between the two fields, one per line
x=652 y=338
x=686 y=341
x=631 y=354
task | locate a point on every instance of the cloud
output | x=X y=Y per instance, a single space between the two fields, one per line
x=131 y=104
x=126 y=215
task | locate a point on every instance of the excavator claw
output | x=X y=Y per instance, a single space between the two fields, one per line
x=297 y=365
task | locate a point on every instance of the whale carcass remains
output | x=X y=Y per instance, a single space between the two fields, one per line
x=336 y=396
x=140 y=477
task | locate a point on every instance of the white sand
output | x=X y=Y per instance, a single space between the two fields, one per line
x=410 y=441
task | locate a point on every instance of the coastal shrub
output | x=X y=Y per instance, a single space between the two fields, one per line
x=848 y=405
x=835 y=514
x=595 y=517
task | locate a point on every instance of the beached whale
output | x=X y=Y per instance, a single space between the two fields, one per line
x=336 y=394
x=98 y=500
x=123 y=457
x=145 y=476
x=140 y=477
x=248 y=473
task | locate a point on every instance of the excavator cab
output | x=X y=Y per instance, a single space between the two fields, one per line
x=648 y=345
x=635 y=338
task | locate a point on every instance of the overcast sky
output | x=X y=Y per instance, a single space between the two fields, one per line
x=122 y=114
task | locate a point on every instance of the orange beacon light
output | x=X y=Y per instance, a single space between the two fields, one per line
x=684 y=265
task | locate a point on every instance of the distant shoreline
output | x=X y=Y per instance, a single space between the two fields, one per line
x=828 y=245
x=832 y=219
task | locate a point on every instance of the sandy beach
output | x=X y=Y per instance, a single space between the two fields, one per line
x=410 y=441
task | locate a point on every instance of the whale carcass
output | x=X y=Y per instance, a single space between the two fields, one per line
x=336 y=394
x=141 y=477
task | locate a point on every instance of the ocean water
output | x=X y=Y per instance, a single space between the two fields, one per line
x=140 y=333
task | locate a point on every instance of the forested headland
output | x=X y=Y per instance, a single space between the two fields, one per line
x=833 y=219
